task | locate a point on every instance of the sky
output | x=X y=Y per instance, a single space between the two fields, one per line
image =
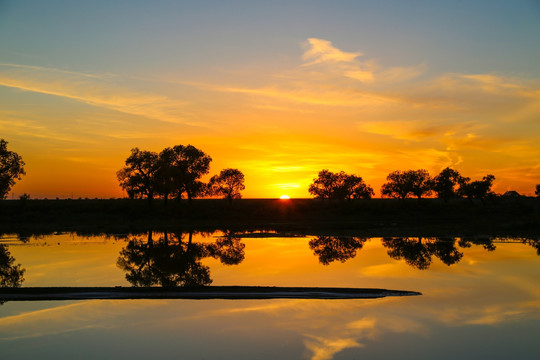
x=279 y=90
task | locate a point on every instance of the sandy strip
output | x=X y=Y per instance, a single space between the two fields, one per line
x=209 y=292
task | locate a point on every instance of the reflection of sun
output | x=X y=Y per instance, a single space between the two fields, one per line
x=284 y=197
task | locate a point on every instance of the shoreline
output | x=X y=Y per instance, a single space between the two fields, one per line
x=199 y=293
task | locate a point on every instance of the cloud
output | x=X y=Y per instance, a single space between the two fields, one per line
x=325 y=349
x=96 y=90
x=321 y=51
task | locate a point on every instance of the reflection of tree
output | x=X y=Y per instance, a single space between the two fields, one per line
x=535 y=243
x=445 y=249
x=332 y=248
x=486 y=242
x=419 y=254
x=173 y=261
x=228 y=249
x=165 y=262
x=10 y=275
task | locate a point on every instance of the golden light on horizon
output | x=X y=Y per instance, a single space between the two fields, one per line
x=284 y=197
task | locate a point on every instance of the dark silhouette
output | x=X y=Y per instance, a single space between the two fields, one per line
x=11 y=275
x=11 y=169
x=535 y=243
x=329 y=185
x=446 y=184
x=228 y=184
x=229 y=249
x=401 y=184
x=138 y=177
x=165 y=262
x=332 y=248
x=181 y=168
x=172 y=172
x=537 y=191
x=480 y=189
x=173 y=261
x=486 y=242
x=419 y=254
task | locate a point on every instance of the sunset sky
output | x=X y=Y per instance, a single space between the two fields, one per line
x=277 y=89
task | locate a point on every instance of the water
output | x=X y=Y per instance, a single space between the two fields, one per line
x=481 y=298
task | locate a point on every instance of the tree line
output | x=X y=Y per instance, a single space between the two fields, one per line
x=176 y=172
x=448 y=184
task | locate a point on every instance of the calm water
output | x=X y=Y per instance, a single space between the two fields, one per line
x=481 y=298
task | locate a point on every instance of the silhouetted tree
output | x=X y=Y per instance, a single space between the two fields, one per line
x=11 y=275
x=537 y=191
x=480 y=189
x=404 y=183
x=11 y=169
x=228 y=184
x=329 y=185
x=182 y=167
x=332 y=248
x=138 y=177
x=446 y=184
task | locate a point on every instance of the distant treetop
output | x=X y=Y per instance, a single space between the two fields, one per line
x=329 y=185
x=11 y=169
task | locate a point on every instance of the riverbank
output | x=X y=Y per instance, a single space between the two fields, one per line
x=198 y=293
x=375 y=217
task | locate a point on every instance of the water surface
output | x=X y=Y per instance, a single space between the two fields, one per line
x=480 y=299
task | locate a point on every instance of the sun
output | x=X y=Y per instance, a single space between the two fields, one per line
x=284 y=197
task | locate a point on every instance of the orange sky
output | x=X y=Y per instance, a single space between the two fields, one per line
x=280 y=106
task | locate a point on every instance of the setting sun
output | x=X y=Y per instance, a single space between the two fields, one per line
x=284 y=197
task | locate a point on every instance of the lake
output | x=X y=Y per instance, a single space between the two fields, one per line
x=480 y=297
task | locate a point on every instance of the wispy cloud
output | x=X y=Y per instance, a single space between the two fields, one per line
x=97 y=90
x=319 y=51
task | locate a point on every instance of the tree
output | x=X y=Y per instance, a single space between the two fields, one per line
x=537 y=192
x=446 y=184
x=479 y=189
x=228 y=184
x=181 y=168
x=404 y=183
x=11 y=169
x=329 y=185
x=138 y=177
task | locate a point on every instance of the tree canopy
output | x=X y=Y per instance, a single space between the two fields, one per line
x=329 y=185
x=402 y=184
x=183 y=166
x=139 y=177
x=479 y=189
x=11 y=169
x=173 y=172
x=229 y=183
x=446 y=183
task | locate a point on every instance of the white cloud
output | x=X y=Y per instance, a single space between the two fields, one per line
x=319 y=51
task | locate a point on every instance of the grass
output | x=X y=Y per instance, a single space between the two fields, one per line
x=375 y=217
